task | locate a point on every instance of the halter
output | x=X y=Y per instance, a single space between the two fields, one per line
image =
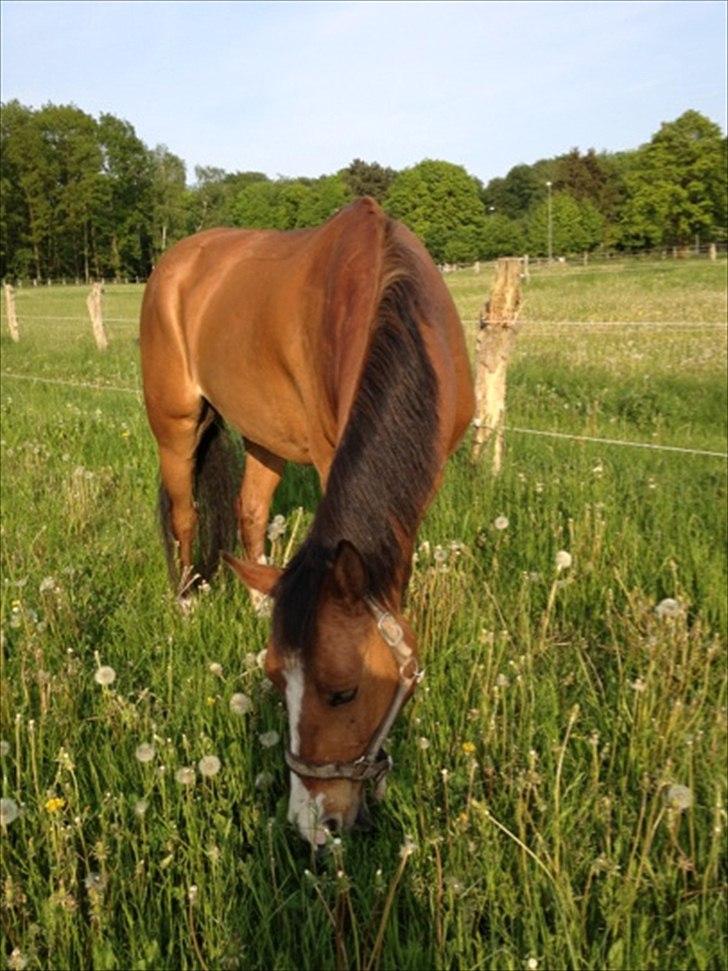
x=375 y=763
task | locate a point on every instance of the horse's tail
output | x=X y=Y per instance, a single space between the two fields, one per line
x=216 y=479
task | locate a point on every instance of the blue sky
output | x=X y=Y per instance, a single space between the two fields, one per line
x=301 y=88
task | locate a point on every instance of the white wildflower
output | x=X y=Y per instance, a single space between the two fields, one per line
x=95 y=883
x=501 y=522
x=423 y=743
x=8 y=811
x=144 y=752
x=679 y=797
x=408 y=847
x=215 y=668
x=140 y=807
x=268 y=739
x=17 y=960
x=668 y=608
x=48 y=585
x=240 y=704
x=277 y=528
x=209 y=765
x=185 y=776
x=502 y=681
x=260 y=658
x=4 y=747
x=563 y=560
x=105 y=675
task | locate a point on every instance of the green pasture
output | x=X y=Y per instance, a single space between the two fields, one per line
x=559 y=796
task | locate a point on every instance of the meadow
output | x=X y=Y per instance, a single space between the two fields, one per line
x=559 y=792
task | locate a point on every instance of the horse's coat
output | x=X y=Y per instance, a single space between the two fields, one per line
x=339 y=347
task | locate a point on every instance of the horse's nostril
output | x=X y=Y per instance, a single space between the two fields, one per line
x=332 y=825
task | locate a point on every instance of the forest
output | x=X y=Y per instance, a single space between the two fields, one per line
x=84 y=198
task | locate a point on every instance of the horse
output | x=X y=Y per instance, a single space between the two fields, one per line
x=337 y=347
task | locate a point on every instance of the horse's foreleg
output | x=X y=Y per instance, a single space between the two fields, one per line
x=263 y=472
x=176 y=464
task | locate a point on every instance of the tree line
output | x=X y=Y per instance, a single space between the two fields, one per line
x=85 y=198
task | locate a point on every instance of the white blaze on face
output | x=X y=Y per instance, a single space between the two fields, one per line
x=303 y=809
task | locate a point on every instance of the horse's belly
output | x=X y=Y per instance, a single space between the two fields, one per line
x=273 y=419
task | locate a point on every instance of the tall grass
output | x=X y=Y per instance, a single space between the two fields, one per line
x=559 y=792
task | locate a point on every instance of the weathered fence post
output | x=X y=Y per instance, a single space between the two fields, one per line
x=713 y=252
x=526 y=271
x=476 y=266
x=12 y=316
x=498 y=327
x=93 y=302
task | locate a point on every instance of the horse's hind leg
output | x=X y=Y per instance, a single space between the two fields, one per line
x=263 y=472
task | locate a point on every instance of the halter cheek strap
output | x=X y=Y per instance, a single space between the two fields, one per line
x=374 y=763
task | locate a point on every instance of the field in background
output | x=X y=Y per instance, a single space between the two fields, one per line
x=561 y=774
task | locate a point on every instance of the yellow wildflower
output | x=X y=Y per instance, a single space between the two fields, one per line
x=55 y=804
x=468 y=748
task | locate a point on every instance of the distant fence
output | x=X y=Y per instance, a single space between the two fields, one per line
x=709 y=251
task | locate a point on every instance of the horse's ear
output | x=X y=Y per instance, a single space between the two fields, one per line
x=349 y=573
x=255 y=576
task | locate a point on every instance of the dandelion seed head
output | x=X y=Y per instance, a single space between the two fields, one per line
x=48 y=585
x=17 y=960
x=668 y=607
x=8 y=811
x=209 y=765
x=215 y=668
x=638 y=685
x=532 y=964
x=240 y=704
x=502 y=681
x=268 y=739
x=4 y=747
x=423 y=743
x=144 y=752
x=185 y=776
x=260 y=658
x=140 y=807
x=501 y=522
x=407 y=848
x=95 y=883
x=679 y=797
x=563 y=560
x=263 y=780
x=105 y=675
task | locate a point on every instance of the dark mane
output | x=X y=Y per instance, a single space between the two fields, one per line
x=384 y=469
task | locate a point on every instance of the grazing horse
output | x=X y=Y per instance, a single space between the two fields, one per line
x=337 y=347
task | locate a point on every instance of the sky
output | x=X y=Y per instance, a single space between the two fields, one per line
x=302 y=88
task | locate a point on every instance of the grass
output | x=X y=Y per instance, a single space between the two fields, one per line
x=537 y=770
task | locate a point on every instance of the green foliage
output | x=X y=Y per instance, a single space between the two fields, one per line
x=441 y=203
x=290 y=203
x=368 y=179
x=501 y=236
x=576 y=226
x=86 y=198
x=677 y=187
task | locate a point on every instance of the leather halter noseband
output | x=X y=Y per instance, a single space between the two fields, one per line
x=374 y=763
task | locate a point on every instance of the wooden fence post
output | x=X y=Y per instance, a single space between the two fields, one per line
x=498 y=327
x=713 y=252
x=12 y=316
x=526 y=271
x=93 y=302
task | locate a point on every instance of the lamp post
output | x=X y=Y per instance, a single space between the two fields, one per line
x=551 y=225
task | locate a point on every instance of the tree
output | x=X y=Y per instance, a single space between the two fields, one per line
x=501 y=236
x=441 y=203
x=576 y=226
x=168 y=199
x=676 y=189
x=368 y=179
x=518 y=192
x=323 y=198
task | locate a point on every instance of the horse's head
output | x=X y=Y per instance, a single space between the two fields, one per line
x=342 y=692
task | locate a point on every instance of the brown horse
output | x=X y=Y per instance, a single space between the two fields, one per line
x=338 y=347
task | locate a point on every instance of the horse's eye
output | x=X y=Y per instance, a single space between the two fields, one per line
x=342 y=697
